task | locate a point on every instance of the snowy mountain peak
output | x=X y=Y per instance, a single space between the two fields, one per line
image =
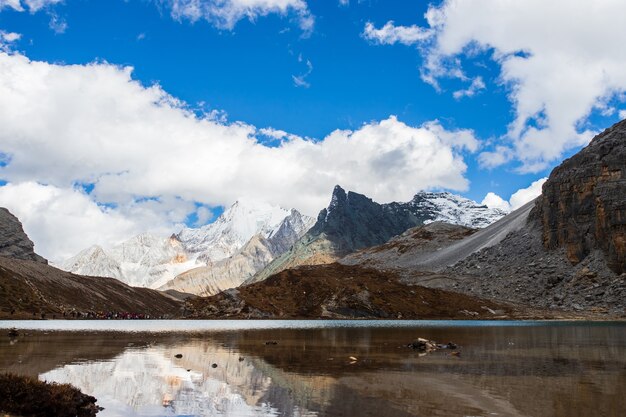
x=151 y=261
x=452 y=208
x=93 y=261
x=232 y=229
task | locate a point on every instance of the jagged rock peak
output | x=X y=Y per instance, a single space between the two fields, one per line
x=14 y=243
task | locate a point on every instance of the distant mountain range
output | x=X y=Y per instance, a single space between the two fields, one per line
x=353 y=221
x=248 y=236
x=255 y=254
x=203 y=253
x=562 y=255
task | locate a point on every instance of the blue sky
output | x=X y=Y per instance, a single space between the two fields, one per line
x=275 y=68
x=247 y=72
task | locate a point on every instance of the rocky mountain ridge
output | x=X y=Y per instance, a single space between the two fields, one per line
x=335 y=291
x=571 y=253
x=564 y=250
x=353 y=221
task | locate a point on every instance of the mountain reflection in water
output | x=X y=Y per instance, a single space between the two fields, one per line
x=543 y=370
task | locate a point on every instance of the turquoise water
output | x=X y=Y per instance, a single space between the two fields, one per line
x=227 y=325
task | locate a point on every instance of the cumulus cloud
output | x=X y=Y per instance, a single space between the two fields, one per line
x=63 y=221
x=225 y=14
x=561 y=61
x=518 y=198
x=390 y=34
x=493 y=200
x=64 y=125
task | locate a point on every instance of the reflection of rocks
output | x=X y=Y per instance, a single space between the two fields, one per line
x=312 y=372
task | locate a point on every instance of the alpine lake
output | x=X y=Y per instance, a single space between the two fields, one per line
x=328 y=368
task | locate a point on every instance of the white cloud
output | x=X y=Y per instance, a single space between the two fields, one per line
x=560 y=59
x=498 y=156
x=493 y=200
x=476 y=85
x=622 y=114
x=7 y=38
x=32 y=5
x=390 y=34
x=63 y=221
x=518 y=199
x=225 y=14
x=523 y=196
x=57 y=23
x=301 y=80
x=344 y=2
x=14 y=4
x=68 y=124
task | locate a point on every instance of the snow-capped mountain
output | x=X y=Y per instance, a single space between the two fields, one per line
x=142 y=261
x=93 y=261
x=454 y=209
x=152 y=261
x=231 y=272
x=232 y=230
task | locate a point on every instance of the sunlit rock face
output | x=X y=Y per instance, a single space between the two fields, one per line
x=583 y=205
x=142 y=261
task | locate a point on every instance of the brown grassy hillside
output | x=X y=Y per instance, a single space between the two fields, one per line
x=29 y=288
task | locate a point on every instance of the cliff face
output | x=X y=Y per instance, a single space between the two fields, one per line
x=14 y=243
x=583 y=204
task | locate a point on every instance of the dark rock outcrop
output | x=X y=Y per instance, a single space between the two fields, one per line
x=583 y=204
x=353 y=221
x=571 y=254
x=14 y=243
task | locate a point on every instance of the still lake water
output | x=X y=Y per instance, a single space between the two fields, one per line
x=505 y=368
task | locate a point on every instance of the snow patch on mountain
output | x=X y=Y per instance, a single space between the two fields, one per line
x=454 y=209
x=231 y=272
x=152 y=261
x=232 y=230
